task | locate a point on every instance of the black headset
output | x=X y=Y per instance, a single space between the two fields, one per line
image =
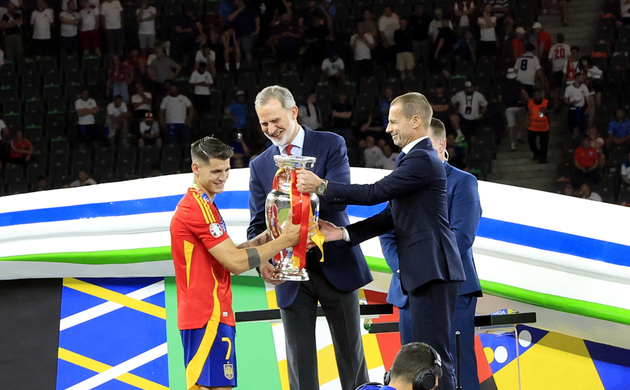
x=425 y=378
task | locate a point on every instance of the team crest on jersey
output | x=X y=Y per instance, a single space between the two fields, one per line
x=216 y=230
x=228 y=371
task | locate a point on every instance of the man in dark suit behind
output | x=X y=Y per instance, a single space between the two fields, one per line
x=431 y=269
x=335 y=281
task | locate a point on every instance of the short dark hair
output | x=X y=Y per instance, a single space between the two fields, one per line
x=575 y=48
x=560 y=38
x=412 y=358
x=208 y=148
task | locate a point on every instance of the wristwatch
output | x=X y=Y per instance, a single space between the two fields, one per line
x=321 y=188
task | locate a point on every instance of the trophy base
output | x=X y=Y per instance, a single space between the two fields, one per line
x=291 y=276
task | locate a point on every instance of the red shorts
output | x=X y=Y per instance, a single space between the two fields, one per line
x=90 y=40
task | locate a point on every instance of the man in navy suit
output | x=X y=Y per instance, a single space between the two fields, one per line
x=431 y=269
x=335 y=281
x=464 y=211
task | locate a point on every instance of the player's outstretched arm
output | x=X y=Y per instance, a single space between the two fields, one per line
x=237 y=260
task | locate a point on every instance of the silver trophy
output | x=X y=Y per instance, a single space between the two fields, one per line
x=277 y=207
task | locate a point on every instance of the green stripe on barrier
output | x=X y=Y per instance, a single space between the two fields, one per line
x=554 y=302
x=120 y=256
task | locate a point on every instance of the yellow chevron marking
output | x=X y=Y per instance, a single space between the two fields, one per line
x=115 y=297
x=99 y=367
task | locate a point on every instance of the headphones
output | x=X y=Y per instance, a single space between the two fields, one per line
x=425 y=378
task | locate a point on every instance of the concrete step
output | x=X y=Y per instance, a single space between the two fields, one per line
x=527 y=169
x=542 y=184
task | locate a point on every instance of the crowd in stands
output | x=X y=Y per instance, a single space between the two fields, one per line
x=118 y=89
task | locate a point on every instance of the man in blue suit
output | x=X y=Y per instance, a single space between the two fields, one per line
x=335 y=281
x=464 y=211
x=431 y=269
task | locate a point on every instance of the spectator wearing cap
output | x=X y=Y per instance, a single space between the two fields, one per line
x=237 y=111
x=202 y=81
x=471 y=105
x=544 y=41
x=176 y=113
x=149 y=132
x=513 y=95
x=529 y=70
x=404 y=50
x=333 y=68
x=517 y=43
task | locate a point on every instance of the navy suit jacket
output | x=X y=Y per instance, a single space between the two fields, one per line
x=345 y=267
x=416 y=191
x=464 y=212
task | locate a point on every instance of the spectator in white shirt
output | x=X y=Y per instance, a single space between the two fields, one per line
x=436 y=25
x=333 y=67
x=487 y=45
x=41 y=20
x=575 y=96
x=111 y=18
x=88 y=131
x=83 y=179
x=146 y=26
x=372 y=153
x=471 y=105
x=209 y=57
x=117 y=120
x=362 y=44
x=69 y=31
x=149 y=132
x=176 y=113
x=388 y=23
x=202 y=81
x=141 y=101
x=388 y=161
x=88 y=29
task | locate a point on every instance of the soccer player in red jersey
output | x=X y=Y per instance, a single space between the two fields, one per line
x=204 y=256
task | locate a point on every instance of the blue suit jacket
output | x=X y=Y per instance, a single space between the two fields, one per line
x=416 y=191
x=343 y=266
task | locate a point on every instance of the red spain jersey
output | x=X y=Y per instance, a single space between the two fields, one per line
x=203 y=284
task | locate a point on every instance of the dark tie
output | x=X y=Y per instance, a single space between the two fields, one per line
x=399 y=157
x=288 y=150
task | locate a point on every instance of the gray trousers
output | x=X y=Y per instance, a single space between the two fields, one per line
x=342 y=313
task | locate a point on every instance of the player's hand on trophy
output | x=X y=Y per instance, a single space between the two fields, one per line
x=330 y=231
x=307 y=181
x=268 y=273
x=290 y=231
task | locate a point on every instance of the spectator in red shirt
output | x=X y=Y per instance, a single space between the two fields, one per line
x=544 y=41
x=517 y=43
x=586 y=161
x=20 y=150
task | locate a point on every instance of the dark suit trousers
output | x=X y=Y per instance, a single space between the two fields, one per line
x=343 y=316
x=432 y=306
x=464 y=321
